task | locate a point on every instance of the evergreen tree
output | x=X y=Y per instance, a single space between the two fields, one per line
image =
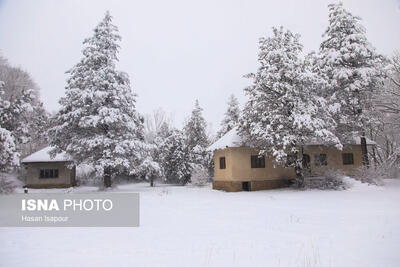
x=8 y=153
x=9 y=156
x=231 y=118
x=352 y=70
x=164 y=131
x=176 y=158
x=15 y=115
x=98 y=123
x=23 y=113
x=196 y=137
x=195 y=129
x=283 y=112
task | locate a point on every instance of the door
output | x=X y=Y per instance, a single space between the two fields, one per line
x=246 y=186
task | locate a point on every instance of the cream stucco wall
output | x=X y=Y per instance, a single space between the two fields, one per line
x=334 y=158
x=65 y=176
x=238 y=163
x=223 y=174
x=238 y=166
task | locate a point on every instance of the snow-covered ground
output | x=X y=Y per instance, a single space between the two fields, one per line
x=186 y=226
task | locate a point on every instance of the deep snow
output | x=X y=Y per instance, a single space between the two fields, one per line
x=186 y=226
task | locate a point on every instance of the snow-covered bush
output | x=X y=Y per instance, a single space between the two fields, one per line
x=150 y=170
x=393 y=172
x=8 y=183
x=392 y=165
x=200 y=175
x=330 y=180
x=372 y=175
x=86 y=175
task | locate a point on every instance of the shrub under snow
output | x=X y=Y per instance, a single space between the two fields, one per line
x=86 y=175
x=200 y=176
x=331 y=180
x=372 y=175
x=8 y=183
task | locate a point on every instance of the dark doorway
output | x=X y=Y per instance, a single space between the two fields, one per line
x=306 y=165
x=246 y=186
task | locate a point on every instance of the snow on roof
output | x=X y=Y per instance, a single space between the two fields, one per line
x=230 y=139
x=356 y=140
x=44 y=156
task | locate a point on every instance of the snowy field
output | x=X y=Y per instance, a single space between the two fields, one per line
x=186 y=226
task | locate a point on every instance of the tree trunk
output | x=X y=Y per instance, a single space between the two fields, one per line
x=364 y=150
x=374 y=157
x=299 y=170
x=151 y=181
x=107 y=177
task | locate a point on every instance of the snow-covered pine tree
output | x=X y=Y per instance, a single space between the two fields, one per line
x=231 y=117
x=9 y=156
x=352 y=70
x=283 y=112
x=15 y=115
x=25 y=116
x=176 y=158
x=98 y=123
x=195 y=128
x=195 y=132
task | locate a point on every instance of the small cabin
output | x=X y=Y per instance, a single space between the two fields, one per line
x=43 y=171
x=238 y=167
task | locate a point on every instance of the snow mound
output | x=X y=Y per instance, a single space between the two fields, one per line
x=44 y=156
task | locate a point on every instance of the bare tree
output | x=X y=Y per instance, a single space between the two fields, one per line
x=154 y=122
x=385 y=118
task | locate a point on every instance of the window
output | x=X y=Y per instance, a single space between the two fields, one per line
x=320 y=160
x=48 y=173
x=222 y=163
x=257 y=162
x=348 y=158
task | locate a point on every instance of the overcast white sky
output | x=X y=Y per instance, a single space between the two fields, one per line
x=174 y=50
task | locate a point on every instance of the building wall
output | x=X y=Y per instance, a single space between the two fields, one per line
x=238 y=167
x=66 y=177
x=242 y=171
x=223 y=174
x=334 y=159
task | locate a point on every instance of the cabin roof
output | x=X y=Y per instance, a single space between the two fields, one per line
x=233 y=139
x=230 y=139
x=44 y=156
